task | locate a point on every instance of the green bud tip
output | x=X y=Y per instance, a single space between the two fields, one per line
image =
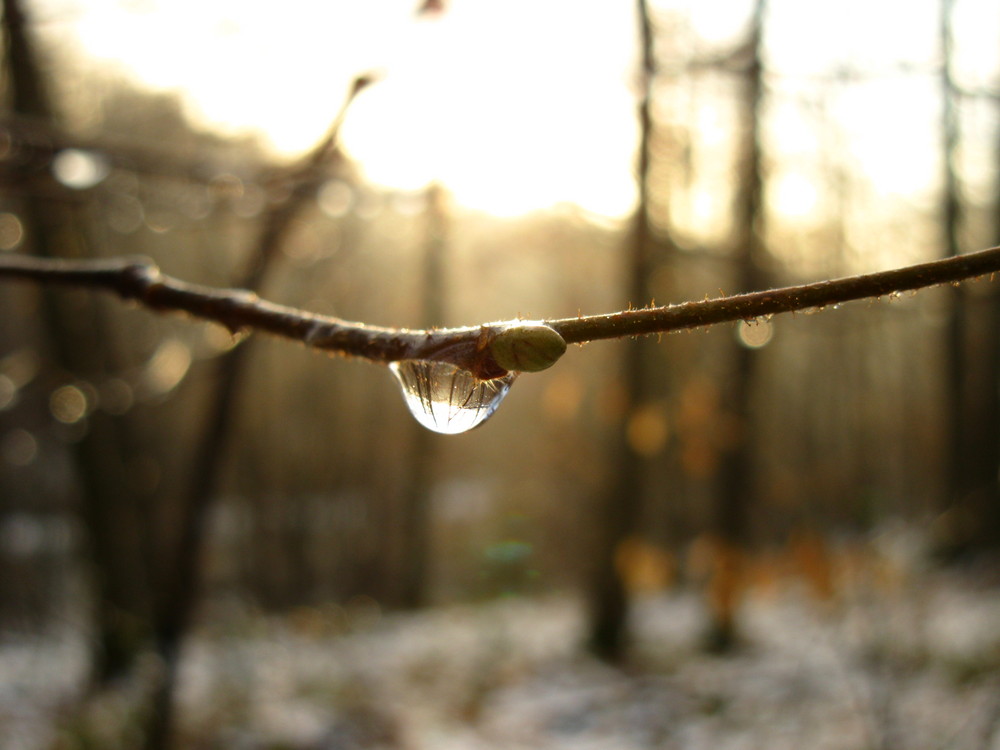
x=527 y=347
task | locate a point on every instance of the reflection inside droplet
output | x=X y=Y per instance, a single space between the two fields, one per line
x=448 y=399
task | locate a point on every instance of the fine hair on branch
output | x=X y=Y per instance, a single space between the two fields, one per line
x=472 y=347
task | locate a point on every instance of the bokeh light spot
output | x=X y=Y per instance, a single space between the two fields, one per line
x=11 y=231
x=79 y=169
x=335 y=198
x=8 y=392
x=18 y=448
x=68 y=404
x=647 y=430
x=166 y=368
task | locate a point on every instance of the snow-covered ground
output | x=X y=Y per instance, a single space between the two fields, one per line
x=916 y=668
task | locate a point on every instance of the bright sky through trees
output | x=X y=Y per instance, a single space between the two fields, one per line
x=520 y=104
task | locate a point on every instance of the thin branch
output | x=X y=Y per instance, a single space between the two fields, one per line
x=786 y=299
x=36 y=141
x=470 y=347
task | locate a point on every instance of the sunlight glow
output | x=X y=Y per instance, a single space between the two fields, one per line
x=522 y=105
x=509 y=105
x=795 y=195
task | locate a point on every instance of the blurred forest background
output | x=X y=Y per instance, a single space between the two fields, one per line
x=160 y=475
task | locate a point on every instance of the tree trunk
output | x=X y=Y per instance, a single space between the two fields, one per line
x=415 y=520
x=621 y=504
x=80 y=343
x=736 y=471
x=972 y=353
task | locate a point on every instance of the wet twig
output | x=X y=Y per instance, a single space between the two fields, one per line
x=470 y=347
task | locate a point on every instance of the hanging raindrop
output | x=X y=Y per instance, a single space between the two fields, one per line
x=448 y=399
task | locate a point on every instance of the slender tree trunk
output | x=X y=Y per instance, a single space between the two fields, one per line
x=109 y=512
x=621 y=505
x=954 y=350
x=736 y=473
x=180 y=578
x=415 y=517
x=972 y=352
x=987 y=399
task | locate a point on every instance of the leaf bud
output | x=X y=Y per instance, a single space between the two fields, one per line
x=527 y=346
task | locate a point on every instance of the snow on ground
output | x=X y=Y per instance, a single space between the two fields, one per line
x=916 y=669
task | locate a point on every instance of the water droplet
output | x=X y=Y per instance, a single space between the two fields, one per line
x=448 y=399
x=754 y=334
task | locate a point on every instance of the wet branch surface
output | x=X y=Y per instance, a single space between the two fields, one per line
x=468 y=347
x=752 y=305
